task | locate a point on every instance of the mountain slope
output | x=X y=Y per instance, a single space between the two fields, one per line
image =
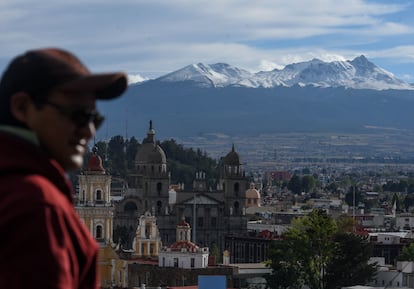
x=358 y=73
x=185 y=109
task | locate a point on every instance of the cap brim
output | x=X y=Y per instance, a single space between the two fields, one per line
x=104 y=86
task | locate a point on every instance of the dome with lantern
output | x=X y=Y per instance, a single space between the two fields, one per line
x=94 y=165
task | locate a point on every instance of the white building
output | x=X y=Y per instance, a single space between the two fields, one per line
x=390 y=277
x=405 y=221
x=183 y=253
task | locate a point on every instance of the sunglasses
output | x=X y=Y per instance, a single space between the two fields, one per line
x=79 y=117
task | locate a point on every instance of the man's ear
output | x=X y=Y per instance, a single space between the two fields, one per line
x=19 y=106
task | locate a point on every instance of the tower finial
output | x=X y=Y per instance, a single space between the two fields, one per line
x=150 y=134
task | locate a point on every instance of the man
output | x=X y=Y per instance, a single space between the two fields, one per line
x=47 y=116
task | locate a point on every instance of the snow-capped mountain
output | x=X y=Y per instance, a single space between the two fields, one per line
x=358 y=73
x=213 y=75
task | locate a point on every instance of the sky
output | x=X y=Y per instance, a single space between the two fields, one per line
x=150 y=38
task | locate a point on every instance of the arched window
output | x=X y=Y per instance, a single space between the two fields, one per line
x=159 y=206
x=130 y=207
x=159 y=188
x=98 y=195
x=98 y=232
x=236 y=188
x=236 y=208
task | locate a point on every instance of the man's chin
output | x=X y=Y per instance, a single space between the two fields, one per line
x=74 y=163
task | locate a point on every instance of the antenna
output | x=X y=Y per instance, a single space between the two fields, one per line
x=126 y=130
x=126 y=123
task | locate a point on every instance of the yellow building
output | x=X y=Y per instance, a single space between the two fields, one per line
x=147 y=241
x=95 y=209
x=252 y=197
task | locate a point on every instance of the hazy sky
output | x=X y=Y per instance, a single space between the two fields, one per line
x=154 y=37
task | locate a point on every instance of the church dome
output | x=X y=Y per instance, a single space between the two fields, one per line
x=232 y=158
x=183 y=223
x=252 y=193
x=187 y=245
x=252 y=197
x=95 y=163
x=150 y=152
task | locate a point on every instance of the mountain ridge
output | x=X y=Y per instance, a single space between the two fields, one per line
x=221 y=98
x=358 y=73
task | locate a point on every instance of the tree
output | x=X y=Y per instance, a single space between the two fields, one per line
x=349 y=197
x=308 y=183
x=313 y=248
x=286 y=274
x=407 y=253
x=116 y=155
x=295 y=184
x=349 y=265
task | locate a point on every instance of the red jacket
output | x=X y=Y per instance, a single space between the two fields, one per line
x=43 y=243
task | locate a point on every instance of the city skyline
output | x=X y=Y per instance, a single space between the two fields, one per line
x=148 y=39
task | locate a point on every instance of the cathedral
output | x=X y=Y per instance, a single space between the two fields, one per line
x=212 y=214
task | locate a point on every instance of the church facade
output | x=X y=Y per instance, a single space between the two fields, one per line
x=211 y=213
x=95 y=208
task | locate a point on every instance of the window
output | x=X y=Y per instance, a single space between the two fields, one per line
x=98 y=232
x=130 y=207
x=147 y=230
x=159 y=188
x=213 y=221
x=192 y=262
x=159 y=207
x=200 y=221
x=236 y=208
x=99 y=195
x=175 y=262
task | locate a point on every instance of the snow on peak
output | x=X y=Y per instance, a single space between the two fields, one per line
x=216 y=75
x=357 y=73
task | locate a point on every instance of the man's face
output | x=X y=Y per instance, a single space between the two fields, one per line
x=57 y=131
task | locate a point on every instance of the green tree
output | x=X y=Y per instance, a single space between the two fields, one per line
x=349 y=265
x=185 y=162
x=286 y=274
x=312 y=249
x=116 y=155
x=295 y=184
x=132 y=146
x=408 y=201
x=398 y=202
x=308 y=183
x=407 y=253
x=349 y=197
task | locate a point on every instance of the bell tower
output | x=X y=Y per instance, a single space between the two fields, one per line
x=94 y=202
